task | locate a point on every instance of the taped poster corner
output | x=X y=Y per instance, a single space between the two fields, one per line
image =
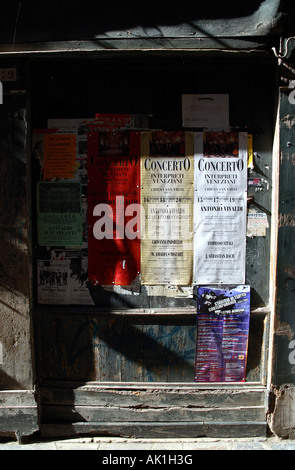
x=132 y=289
x=174 y=291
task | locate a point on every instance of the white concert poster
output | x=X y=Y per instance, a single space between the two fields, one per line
x=220 y=213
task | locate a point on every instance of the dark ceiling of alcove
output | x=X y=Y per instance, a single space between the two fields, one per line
x=65 y=20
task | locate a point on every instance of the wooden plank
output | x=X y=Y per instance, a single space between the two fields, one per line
x=157 y=430
x=162 y=404
x=116 y=349
x=108 y=358
x=18 y=413
x=132 y=365
x=173 y=386
x=129 y=349
x=20 y=398
x=109 y=46
x=147 y=313
x=155 y=359
x=153 y=410
x=173 y=359
x=146 y=413
x=154 y=398
x=22 y=422
x=284 y=325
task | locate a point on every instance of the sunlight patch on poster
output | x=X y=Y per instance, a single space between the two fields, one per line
x=220 y=208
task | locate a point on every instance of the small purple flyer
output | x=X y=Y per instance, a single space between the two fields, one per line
x=223 y=317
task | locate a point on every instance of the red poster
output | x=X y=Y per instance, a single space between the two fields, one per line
x=113 y=166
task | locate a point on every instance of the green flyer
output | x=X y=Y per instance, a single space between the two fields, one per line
x=59 y=213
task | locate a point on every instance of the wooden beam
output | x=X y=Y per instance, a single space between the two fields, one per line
x=111 y=46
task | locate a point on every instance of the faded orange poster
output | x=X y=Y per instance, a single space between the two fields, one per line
x=59 y=156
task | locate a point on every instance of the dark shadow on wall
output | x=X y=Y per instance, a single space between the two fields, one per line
x=9 y=383
x=71 y=19
x=14 y=263
x=100 y=348
x=15 y=247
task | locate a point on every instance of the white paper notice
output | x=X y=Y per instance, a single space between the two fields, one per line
x=220 y=208
x=206 y=111
x=257 y=224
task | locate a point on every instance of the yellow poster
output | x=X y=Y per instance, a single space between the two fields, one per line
x=59 y=156
x=167 y=194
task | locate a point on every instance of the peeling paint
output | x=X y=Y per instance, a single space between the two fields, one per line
x=283 y=329
x=289 y=120
x=285 y=156
x=281 y=421
x=286 y=220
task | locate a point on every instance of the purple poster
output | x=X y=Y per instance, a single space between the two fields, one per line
x=223 y=317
